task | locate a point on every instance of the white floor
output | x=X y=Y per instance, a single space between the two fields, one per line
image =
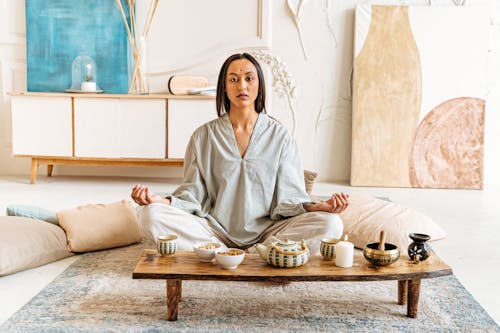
x=471 y=219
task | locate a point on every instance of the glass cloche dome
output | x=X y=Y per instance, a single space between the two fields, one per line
x=84 y=74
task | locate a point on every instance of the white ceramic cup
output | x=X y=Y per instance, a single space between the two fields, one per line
x=166 y=244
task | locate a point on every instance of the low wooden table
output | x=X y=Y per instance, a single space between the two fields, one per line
x=185 y=265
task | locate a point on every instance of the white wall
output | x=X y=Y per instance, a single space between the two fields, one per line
x=322 y=86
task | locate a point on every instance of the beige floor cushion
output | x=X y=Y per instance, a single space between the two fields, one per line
x=100 y=226
x=27 y=243
x=366 y=216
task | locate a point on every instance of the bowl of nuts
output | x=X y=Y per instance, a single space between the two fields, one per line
x=229 y=258
x=206 y=251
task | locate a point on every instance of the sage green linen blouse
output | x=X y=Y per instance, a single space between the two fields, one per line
x=242 y=196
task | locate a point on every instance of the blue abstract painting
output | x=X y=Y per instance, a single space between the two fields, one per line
x=57 y=31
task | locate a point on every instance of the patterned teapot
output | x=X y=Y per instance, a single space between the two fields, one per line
x=284 y=253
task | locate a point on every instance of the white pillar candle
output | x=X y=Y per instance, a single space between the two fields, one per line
x=344 y=253
x=89 y=86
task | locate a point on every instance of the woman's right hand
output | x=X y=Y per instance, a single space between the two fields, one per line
x=337 y=203
x=143 y=196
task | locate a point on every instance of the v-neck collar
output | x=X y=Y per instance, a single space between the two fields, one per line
x=256 y=128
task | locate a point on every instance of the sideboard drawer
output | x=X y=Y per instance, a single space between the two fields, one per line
x=41 y=126
x=120 y=128
x=184 y=117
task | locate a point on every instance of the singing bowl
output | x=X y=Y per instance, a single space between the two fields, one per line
x=381 y=257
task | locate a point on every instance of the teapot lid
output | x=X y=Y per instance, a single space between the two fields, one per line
x=287 y=244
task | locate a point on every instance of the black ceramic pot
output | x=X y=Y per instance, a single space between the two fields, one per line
x=419 y=250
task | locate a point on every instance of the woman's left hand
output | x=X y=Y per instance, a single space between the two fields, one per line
x=336 y=204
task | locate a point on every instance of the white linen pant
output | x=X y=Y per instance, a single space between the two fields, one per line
x=160 y=219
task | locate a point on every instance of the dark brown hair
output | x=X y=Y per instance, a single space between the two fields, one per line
x=222 y=101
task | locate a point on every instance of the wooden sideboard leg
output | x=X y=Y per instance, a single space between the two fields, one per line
x=34 y=170
x=174 y=290
x=402 y=291
x=50 y=167
x=413 y=295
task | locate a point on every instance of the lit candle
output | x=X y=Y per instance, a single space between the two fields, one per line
x=344 y=253
x=89 y=72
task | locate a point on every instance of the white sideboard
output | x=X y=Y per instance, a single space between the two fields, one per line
x=105 y=129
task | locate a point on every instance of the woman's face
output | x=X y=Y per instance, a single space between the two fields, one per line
x=242 y=84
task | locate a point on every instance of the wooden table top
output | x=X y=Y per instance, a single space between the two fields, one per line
x=185 y=265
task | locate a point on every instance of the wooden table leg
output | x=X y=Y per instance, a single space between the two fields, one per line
x=49 y=169
x=402 y=291
x=174 y=290
x=34 y=170
x=179 y=294
x=413 y=294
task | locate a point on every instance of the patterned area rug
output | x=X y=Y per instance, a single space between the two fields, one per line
x=97 y=294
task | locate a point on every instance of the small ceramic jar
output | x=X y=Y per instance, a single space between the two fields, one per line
x=419 y=250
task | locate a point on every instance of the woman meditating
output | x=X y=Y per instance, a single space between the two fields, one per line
x=243 y=178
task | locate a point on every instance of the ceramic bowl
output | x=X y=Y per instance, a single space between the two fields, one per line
x=206 y=251
x=229 y=258
x=381 y=257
